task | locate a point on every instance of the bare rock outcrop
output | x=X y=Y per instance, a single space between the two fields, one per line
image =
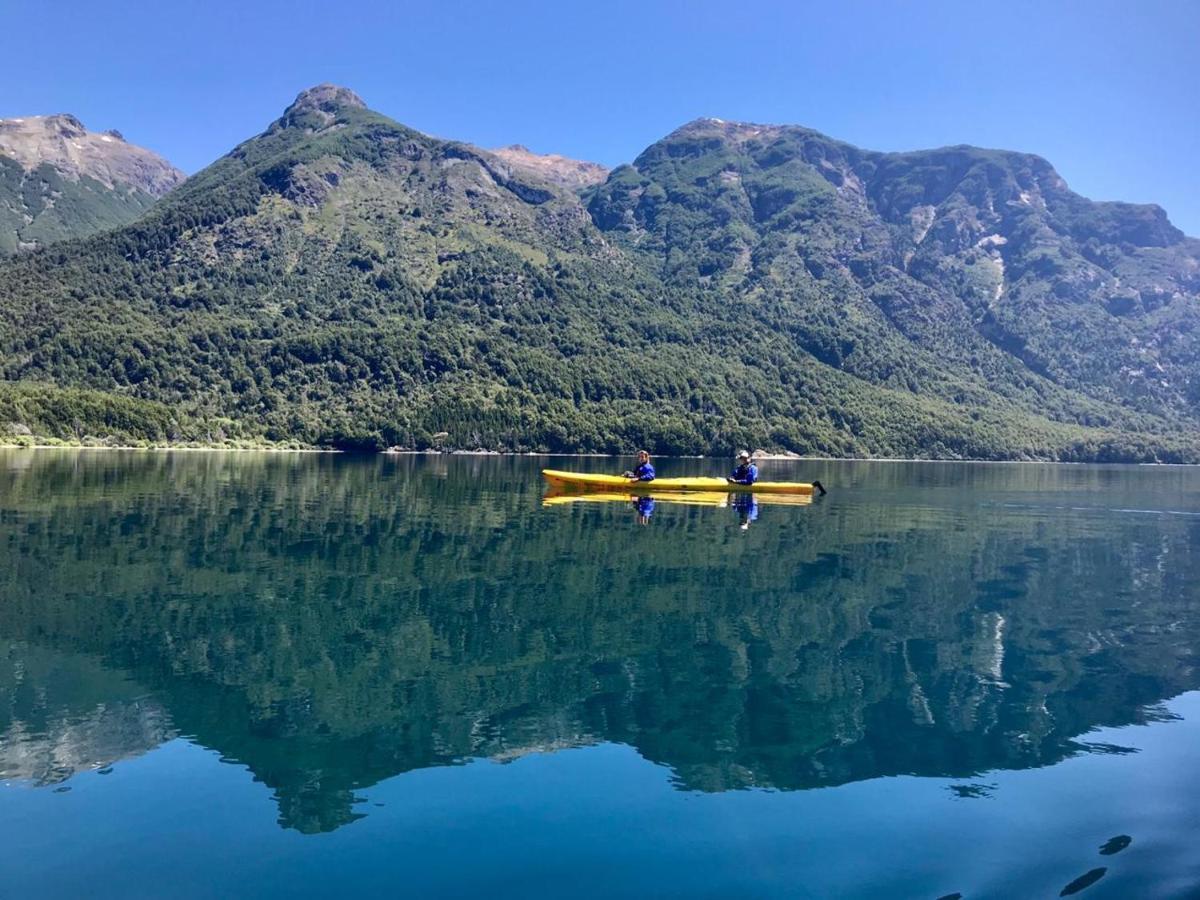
x=573 y=174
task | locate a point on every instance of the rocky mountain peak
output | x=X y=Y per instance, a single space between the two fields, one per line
x=319 y=107
x=328 y=98
x=727 y=128
x=66 y=125
x=65 y=143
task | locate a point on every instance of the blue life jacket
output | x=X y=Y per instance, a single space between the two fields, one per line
x=644 y=472
x=746 y=474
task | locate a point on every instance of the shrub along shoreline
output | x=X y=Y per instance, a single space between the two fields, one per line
x=38 y=414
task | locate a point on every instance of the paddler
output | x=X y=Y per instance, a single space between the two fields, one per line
x=643 y=471
x=746 y=471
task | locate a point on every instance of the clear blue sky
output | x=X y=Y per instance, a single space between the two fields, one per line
x=1109 y=92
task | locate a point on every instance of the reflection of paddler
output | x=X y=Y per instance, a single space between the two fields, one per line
x=645 y=509
x=747 y=509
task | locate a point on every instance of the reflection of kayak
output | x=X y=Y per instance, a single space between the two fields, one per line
x=777 y=499
x=700 y=498
x=557 y=497
x=582 y=482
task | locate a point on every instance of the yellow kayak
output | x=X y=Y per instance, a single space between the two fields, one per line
x=583 y=482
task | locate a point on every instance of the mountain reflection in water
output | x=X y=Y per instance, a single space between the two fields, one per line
x=333 y=621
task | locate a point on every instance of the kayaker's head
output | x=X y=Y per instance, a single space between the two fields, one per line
x=743 y=457
x=643 y=456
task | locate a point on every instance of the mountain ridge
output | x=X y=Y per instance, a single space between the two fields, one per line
x=342 y=279
x=1010 y=211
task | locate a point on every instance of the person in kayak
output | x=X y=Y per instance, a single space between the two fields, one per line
x=643 y=471
x=746 y=471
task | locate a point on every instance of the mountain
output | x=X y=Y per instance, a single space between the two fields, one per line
x=982 y=256
x=58 y=180
x=341 y=279
x=572 y=174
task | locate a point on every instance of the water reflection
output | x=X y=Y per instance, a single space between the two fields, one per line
x=644 y=506
x=747 y=509
x=61 y=714
x=331 y=622
x=643 y=503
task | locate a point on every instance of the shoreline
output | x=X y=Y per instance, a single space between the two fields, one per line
x=167 y=449
x=767 y=457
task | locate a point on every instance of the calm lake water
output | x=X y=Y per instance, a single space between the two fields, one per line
x=299 y=675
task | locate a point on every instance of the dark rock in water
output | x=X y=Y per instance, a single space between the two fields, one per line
x=1083 y=881
x=972 y=791
x=1115 y=845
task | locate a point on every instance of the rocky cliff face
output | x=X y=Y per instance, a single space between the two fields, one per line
x=59 y=180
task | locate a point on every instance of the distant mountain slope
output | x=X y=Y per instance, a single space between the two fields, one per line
x=342 y=279
x=573 y=174
x=58 y=180
x=980 y=257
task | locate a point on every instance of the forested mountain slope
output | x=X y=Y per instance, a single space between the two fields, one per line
x=344 y=280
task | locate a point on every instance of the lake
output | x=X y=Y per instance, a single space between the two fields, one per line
x=306 y=675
